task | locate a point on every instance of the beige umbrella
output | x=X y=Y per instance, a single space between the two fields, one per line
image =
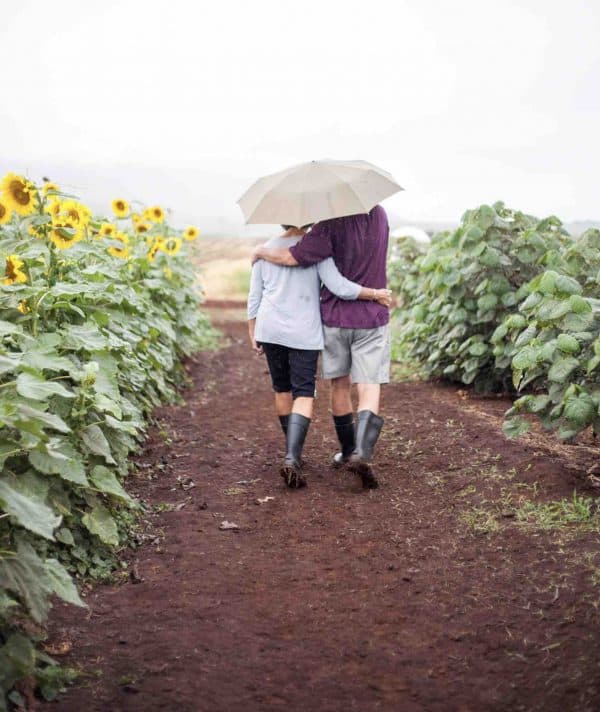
x=315 y=191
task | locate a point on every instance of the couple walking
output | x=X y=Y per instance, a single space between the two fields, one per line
x=322 y=289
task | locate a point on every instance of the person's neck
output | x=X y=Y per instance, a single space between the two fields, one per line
x=294 y=232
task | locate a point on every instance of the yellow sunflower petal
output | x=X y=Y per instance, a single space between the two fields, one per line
x=50 y=187
x=5 y=213
x=12 y=271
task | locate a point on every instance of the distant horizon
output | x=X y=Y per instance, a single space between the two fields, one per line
x=92 y=185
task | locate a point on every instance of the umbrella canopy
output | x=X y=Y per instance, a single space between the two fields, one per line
x=314 y=191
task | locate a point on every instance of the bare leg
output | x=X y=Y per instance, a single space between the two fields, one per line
x=369 y=395
x=303 y=406
x=283 y=403
x=341 y=402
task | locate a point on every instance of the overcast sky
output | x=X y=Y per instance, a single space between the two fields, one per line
x=186 y=103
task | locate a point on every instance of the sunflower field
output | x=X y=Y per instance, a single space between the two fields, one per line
x=96 y=316
x=507 y=302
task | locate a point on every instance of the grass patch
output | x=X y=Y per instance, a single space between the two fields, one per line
x=579 y=511
x=479 y=521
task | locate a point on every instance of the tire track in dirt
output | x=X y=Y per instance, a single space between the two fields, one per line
x=332 y=598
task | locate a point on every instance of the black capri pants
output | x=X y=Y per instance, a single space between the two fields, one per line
x=292 y=370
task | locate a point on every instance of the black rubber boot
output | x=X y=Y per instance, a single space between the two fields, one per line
x=368 y=428
x=291 y=470
x=344 y=428
x=283 y=420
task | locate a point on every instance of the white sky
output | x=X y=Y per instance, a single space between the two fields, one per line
x=185 y=103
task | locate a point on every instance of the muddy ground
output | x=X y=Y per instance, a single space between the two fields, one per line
x=430 y=593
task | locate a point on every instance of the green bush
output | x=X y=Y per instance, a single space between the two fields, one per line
x=507 y=301
x=465 y=284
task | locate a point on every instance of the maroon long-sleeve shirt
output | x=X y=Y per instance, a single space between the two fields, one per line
x=358 y=245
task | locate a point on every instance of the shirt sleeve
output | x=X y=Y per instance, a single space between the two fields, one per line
x=314 y=247
x=335 y=282
x=256 y=289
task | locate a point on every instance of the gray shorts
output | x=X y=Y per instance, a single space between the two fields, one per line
x=364 y=354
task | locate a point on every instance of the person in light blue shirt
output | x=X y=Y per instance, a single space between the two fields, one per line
x=284 y=322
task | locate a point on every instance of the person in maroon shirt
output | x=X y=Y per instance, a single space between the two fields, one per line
x=356 y=333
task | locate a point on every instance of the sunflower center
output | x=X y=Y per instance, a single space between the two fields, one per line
x=19 y=192
x=2 y=211
x=120 y=205
x=11 y=270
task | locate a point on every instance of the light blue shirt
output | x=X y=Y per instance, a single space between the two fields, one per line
x=285 y=301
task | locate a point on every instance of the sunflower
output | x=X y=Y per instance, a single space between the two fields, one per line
x=50 y=187
x=35 y=231
x=76 y=212
x=53 y=207
x=191 y=233
x=19 y=194
x=12 y=271
x=65 y=233
x=171 y=245
x=121 y=252
x=23 y=308
x=142 y=226
x=120 y=207
x=135 y=218
x=107 y=230
x=5 y=213
x=155 y=246
x=154 y=214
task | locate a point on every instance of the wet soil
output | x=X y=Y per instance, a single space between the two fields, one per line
x=425 y=594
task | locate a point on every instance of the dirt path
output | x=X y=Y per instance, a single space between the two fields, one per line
x=331 y=598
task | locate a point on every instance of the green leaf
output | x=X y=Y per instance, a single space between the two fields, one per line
x=525 y=358
x=25 y=574
x=38 y=388
x=579 y=305
x=487 y=302
x=515 y=427
x=579 y=409
x=47 y=361
x=7 y=327
x=96 y=442
x=50 y=420
x=56 y=463
x=107 y=482
x=17 y=660
x=30 y=513
x=100 y=522
x=62 y=583
x=562 y=369
x=577 y=322
x=9 y=362
x=592 y=364
x=568 y=344
x=87 y=337
x=548 y=282
x=478 y=349
x=567 y=285
x=526 y=336
x=486 y=217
